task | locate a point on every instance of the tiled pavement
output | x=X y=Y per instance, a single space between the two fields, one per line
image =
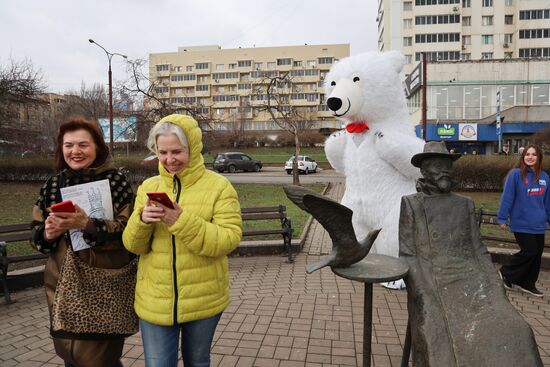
x=279 y=317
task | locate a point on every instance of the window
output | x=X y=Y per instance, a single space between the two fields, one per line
x=534 y=14
x=285 y=61
x=202 y=88
x=232 y=66
x=436 y=2
x=176 y=68
x=201 y=65
x=508 y=55
x=508 y=38
x=408 y=59
x=465 y=56
x=182 y=77
x=407 y=41
x=244 y=63
x=325 y=60
x=407 y=6
x=508 y=2
x=436 y=19
x=508 y=19
x=189 y=68
x=233 y=75
x=258 y=65
x=439 y=56
x=466 y=40
x=219 y=66
x=466 y=21
x=311 y=63
x=486 y=55
x=466 y=3
x=407 y=23
x=203 y=79
x=487 y=20
x=271 y=65
x=297 y=64
x=163 y=67
x=161 y=89
x=487 y=39
x=487 y=3
x=534 y=52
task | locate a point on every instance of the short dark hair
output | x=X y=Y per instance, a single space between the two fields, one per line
x=78 y=123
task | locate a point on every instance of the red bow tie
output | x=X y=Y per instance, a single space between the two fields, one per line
x=356 y=127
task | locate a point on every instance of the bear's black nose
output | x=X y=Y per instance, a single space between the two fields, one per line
x=334 y=103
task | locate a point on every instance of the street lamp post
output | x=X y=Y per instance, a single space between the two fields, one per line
x=109 y=56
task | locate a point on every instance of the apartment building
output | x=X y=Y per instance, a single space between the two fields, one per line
x=450 y=30
x=228 y=85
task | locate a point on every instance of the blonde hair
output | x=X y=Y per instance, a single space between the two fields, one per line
x=166 y=128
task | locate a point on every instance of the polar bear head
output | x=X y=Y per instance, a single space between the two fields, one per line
x=367 y=87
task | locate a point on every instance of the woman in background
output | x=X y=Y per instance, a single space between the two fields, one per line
x=81 y=156
x=183 y=277
x=526 y=203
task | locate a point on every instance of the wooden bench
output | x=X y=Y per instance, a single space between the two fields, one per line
x=22 y=232
x=489 y=217
x=13 y=233
x=271 y=213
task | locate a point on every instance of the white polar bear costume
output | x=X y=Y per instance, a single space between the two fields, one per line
x=366 y=89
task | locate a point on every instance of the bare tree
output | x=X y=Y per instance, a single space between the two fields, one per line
x=19 y=81
x=89 y=102
x=293 y=119
x=151 y=97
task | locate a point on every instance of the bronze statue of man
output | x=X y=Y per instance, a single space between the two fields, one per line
x=459 y=314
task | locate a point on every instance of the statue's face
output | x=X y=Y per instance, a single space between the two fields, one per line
x=438 y=171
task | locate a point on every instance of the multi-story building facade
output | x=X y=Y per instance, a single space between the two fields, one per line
x=227 y=85
x=482 y=54
x=464 y=29
x=466 y=94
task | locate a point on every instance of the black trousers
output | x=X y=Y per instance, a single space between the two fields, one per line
x=523 y=267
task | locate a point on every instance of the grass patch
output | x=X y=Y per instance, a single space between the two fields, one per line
x=254 y=195
x=19 y=198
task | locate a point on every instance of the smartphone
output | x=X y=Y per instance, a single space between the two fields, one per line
x=161 y=197
x=66 y=206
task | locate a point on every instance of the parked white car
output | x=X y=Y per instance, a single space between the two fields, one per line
x=305 y=165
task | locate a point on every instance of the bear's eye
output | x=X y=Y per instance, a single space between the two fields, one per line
x=333 y=83
x=356 y=79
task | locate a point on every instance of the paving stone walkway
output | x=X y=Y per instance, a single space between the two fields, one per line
x=279 y=317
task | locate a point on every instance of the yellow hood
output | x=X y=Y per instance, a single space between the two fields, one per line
x=195 y=168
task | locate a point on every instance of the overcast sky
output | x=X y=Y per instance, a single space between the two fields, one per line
x=54 y=34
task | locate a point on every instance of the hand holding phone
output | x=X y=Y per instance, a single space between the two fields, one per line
x=66 y=206
x=161 y=197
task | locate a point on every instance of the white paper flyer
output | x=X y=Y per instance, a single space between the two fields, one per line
x=95 y=199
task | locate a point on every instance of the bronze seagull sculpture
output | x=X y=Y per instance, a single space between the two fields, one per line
x=336 y=219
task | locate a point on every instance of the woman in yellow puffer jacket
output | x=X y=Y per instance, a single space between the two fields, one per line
x=183 y=277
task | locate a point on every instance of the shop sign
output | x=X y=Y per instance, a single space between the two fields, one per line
x=446 y=131
x=467 y=132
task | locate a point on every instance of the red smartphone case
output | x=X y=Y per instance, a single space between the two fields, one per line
x=161 y=197
x=66 y=206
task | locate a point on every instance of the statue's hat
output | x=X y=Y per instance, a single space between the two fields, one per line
x=433 y=149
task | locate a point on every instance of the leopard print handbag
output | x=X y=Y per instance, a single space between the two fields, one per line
x=95 y=301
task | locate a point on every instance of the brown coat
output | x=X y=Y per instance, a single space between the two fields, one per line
x=107 y=252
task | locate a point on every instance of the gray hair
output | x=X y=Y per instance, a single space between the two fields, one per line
x=166 y=128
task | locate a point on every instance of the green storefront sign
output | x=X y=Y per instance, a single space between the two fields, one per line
x=446 y=131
